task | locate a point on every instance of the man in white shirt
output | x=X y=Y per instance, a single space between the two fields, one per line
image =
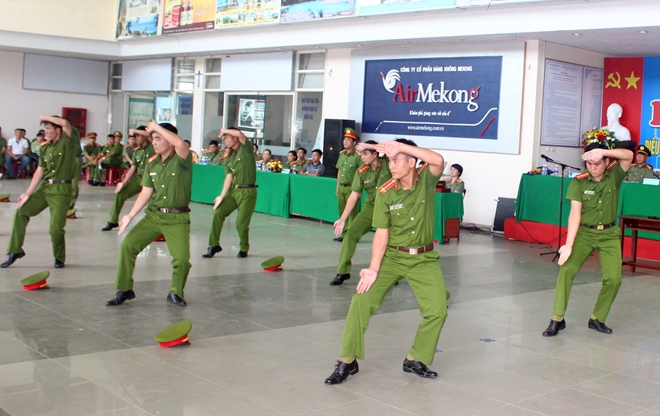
x=17 y=151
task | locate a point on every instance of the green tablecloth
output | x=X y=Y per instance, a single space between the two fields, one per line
x=538 y=199
x=307 y=196
x=642 y=200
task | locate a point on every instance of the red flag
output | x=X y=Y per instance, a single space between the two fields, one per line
x=623 y=81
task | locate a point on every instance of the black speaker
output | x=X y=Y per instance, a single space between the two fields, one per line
x=332 y=143
x=506 y=207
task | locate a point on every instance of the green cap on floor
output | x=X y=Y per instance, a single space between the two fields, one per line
x=4 y=197
x=174 y=335
x=36 y=281
x=273 y=264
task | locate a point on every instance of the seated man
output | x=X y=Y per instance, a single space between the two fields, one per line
x=92 y=151
x=302 y=160
x=17 y=151
x=3 y=153
x=110 y=158
x=36 y=147
x=266 y=157
x=455 y=184
x=128 y=151
x=214 y=155
x=640 y=170
x=314 y=167
x=195 y=156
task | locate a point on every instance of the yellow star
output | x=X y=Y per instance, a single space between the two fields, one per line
x=632 y=80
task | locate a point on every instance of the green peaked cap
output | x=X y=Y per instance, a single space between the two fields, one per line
x=274 y=262
x=174 y=332
x=3 y=196
x=35 y=278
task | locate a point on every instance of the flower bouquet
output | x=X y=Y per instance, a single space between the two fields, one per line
x=274 y=165
x=603 y=136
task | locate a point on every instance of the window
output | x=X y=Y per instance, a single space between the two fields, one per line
x=115 y=76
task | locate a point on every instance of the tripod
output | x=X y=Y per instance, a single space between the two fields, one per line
x=561 y=203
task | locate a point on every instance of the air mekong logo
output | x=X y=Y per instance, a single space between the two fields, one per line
x=428 y=93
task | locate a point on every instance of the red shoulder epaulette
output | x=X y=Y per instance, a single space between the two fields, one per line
x=459 y=181
x=358 y=152
x=363 y=169
x=582 y=175
x=136 y=148
x=226 y=154
x=343 y=151
x=44 y=143
x=421 y=168
x=649 y=166
x=612 y=164
x=152 y=158
x=387 y=186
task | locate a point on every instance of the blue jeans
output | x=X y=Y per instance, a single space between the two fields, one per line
x=9 y=164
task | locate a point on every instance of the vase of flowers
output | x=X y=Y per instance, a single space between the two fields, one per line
x=274 y=165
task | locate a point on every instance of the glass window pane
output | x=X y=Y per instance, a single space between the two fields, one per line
x=116 y=70
x=185 y=66
x=310 y=80
x=309 y=108
x=311 y=61
x=115 y=84
x=212 y=82
x=184 y=110
x=213 y=65
x=185 y=83
x=213 y=110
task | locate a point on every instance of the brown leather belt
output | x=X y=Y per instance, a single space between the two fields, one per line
x=172 y=210
x=245 y=186
x=413 y=251
x=597 y=227
x=345 y=184
x=56 y=181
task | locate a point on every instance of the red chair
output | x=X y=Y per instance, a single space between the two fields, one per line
x=112 y=176
x=18 y=174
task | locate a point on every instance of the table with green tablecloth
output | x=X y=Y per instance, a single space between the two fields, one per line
x=640 y=200
x=307 y=196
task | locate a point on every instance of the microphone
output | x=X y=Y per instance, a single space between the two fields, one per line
x=547 y=159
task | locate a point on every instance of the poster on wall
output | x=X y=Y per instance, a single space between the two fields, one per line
x=367 y=7
x=140 y=111
x=562 y=98
x=137 y=18
x=440 y=97
x=296 y=10
x=592 y=96
x=230 y=13
x=252 y=114
x=488 y=3
x=188 y=15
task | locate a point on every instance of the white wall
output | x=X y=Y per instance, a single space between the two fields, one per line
x=22 y=108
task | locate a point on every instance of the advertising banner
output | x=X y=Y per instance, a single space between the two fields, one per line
x=368 y=7
x=441 y=97
x=294 y=10
x=188 y=15
x=230 y=13
x=137 y=18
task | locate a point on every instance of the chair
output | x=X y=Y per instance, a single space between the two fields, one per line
x=112 y=176
x=18 y=174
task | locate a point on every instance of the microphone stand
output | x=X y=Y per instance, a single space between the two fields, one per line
x=561 y=203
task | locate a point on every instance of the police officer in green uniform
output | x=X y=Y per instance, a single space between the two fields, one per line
x=74 y=181
x=214 y=155
x=348 y=163
x=594 y=197
x=3 y=152
x=456 y=184
x=57 y=167
x=640 y=170
x=111 y=156
x=374 y=172
x=132 y=183
x=165 y=192
x=239 y=191
x=92 y=152
x=402 y=247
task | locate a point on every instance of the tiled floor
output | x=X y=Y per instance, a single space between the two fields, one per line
x=262 y=343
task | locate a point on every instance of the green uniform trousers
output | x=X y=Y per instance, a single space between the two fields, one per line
x=176 y=229
x=104 y=165
x=425 y=278
x=608 y=245
x=342 y=197
x=74 y=183
x=359 y=227
x=243 y=200
x=93 y=171
x=56 y=197
x=129 y=190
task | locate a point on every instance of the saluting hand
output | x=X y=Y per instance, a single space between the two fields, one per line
x=367 y=278
x=593 y=155
x=564 y=253
x=217 y=201
x=152 y=126
x=22 y=200
x=339 y=227
x=124 y=223
x=390 y=148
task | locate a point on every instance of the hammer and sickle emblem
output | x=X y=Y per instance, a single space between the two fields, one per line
x=614 y=80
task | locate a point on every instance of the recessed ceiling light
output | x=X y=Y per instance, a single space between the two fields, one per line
x=577 y=34
x=642 y=31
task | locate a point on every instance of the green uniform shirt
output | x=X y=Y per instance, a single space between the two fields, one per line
x=457 y=186
x=242 y=164
x=637 y=173
x=600 y=200
x=408 y=214
x=3 y=145
x=368 y=180
x=59 y=159
x=171 y=180
x=92 y=150
x=128 y=151
x=35 y=147
x=348 y=164
x=119 y=151
x=215 y=159
x=140 y=157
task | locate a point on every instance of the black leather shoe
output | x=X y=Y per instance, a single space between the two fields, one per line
x=242 y=254
x=554 y=328
x=109 y=226
x=94 y=183
x=211 y=252
x=11 y=258
x=90 y=182
x=339 y=279
x=338 y=239
x=175 y=300
x=418 y=368
x=120 y=297
x=101 y=183
x=59 y=264
x=342 y=371
x=599 y=326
